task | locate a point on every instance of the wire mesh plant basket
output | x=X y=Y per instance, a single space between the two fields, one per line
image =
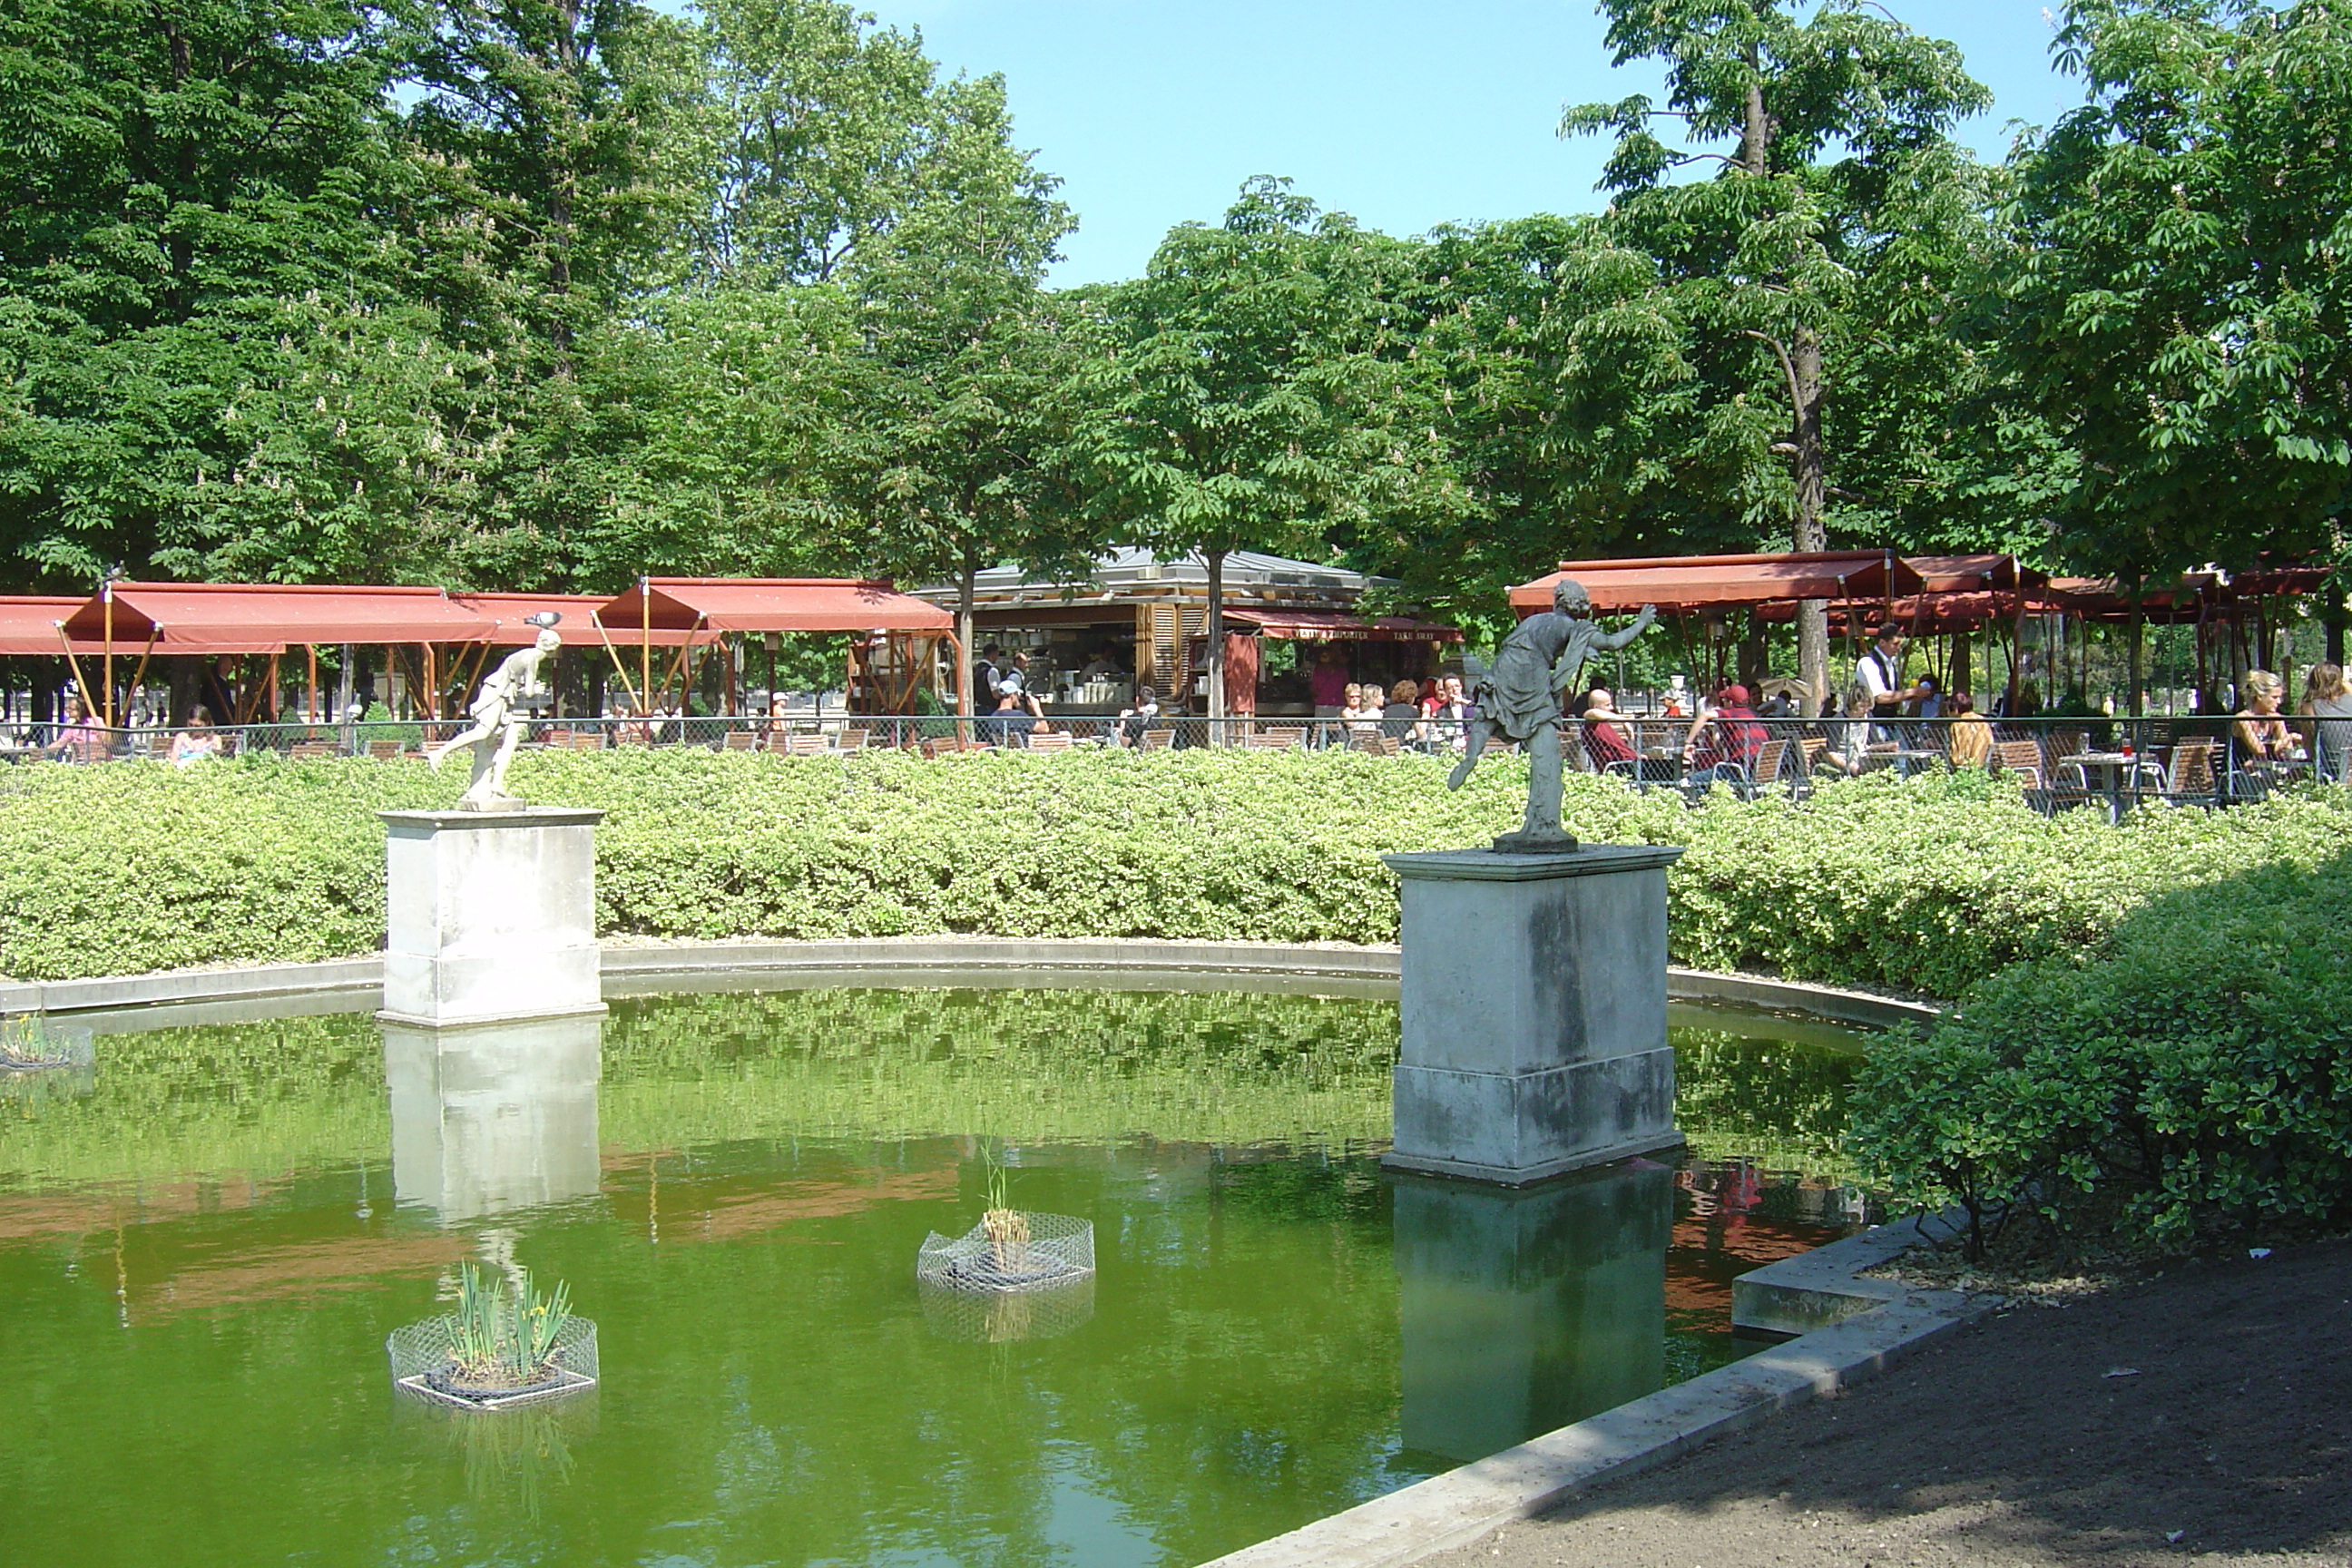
x=424 y=1366
x=1008 y=1251
x=31 y=1042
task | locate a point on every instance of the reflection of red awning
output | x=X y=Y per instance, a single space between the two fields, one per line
x=28 y=626
x=256 y=618
x=1708 y=581
x=1334 y=626
x=505 y=612
x=772 y=605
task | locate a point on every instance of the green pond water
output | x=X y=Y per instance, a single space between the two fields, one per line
x=205 y=1239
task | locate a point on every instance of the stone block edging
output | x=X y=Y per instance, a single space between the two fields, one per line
x=1460 y=1506
x=629 y=961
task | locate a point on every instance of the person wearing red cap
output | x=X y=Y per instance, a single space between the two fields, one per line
x=1734 y=738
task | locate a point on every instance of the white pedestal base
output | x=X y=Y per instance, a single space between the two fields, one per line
x=490 y=916
x=1533 y=1003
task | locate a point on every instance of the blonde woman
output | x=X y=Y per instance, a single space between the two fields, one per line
x=2261 y=736
x=2329 y=707
x=1364 y=711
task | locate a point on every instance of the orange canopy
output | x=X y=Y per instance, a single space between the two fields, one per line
x=1708 y=581
x=264 y=617
x=770 y=604
x=28 y=626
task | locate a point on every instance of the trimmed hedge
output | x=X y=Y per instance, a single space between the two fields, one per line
x=1924 y=884
x=2187 y=1079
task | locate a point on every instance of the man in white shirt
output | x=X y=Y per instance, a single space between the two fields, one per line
x=1879 y=675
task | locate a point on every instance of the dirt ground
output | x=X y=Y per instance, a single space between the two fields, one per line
x=2204 y=1416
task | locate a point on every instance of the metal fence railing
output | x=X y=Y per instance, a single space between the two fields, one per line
x=2109 y=764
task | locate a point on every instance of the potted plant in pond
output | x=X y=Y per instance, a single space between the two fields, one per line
x=500 y=1347
x=1009 y=1249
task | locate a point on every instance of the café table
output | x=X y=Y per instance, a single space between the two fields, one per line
x=2120 y=767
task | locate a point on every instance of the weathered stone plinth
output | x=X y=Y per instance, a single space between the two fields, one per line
x=489 y=915
x=1533 y=1001
x=1525 y=1309
x=496 y=1117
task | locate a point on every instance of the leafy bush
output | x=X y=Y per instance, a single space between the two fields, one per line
x=2190 y=1078
x=1922 y=884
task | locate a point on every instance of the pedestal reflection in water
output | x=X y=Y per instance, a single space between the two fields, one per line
x=494 y=1117
x=1524 y=1309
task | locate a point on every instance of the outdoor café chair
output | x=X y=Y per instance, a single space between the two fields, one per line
x=2189 y=778
x=1375 y=745
x=1059 y=740
x=383 y=750
x=739 y=741
x=853 y=740
x=1156 y=740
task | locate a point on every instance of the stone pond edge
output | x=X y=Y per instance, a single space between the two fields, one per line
x=629 y=963
x=1466 y=1504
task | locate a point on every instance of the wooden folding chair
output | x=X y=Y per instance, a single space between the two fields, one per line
x=1058 y=741
x=740 y=741
x=1158 y=740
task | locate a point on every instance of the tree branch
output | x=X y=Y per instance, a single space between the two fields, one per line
x=1788 y=368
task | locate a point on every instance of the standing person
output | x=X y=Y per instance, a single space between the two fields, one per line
x=1878 y=675
x=984 y=676
x=198 y=741
x=2329 y=707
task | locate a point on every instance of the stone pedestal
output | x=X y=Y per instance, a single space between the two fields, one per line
x=1524 y=1310
x=1533 y=1001
x=489 y=915
x=494 y=1117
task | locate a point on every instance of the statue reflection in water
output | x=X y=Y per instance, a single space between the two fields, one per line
x=1525 y=1309
x=494 y=1117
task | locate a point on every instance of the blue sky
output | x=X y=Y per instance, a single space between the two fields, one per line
x=1404 y=114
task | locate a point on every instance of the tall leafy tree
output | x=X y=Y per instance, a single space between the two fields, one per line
x=1244 y=405
x=959 y=456
x=2180 y=301
x=1812 y=124
x=170 y=175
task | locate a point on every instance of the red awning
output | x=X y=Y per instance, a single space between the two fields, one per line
x=1708 y=581
x=28 y=626
x=1334 y=626
x=772 y=605
x=507 y=613
x=1972 y=574
x=2104 y=599
x=265 y=617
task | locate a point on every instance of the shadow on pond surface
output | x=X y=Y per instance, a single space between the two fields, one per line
x=202 y=1255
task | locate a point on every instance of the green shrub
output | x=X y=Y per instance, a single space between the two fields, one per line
x=2188 y=1079
x=1923 y=884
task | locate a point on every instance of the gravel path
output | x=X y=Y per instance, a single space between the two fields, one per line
x=2204 y=1416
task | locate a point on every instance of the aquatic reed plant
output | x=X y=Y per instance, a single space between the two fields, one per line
x=502 y=1341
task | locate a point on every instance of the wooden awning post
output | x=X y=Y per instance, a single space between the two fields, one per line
x=311 y=682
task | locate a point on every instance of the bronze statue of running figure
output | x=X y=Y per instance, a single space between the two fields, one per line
x=1519 y=700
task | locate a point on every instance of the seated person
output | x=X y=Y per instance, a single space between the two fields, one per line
x=1849 y=748
x=1401 y=718
x=198 y=741
x=1017 y=711
x=2260 y=735
x=1133 y=721
x=1970 y=738
x=1604 y=742
x=1362 y=713
x=1725 y=742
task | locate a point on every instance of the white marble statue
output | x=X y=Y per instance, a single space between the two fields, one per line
x=501 y=713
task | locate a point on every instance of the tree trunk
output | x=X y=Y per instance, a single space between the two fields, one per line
x=1813 y=482
x=963 y=629
x=2332 y=614
x=2136 y=703
x=1216 y=559
x=1756 y=133
x=1960 y=674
